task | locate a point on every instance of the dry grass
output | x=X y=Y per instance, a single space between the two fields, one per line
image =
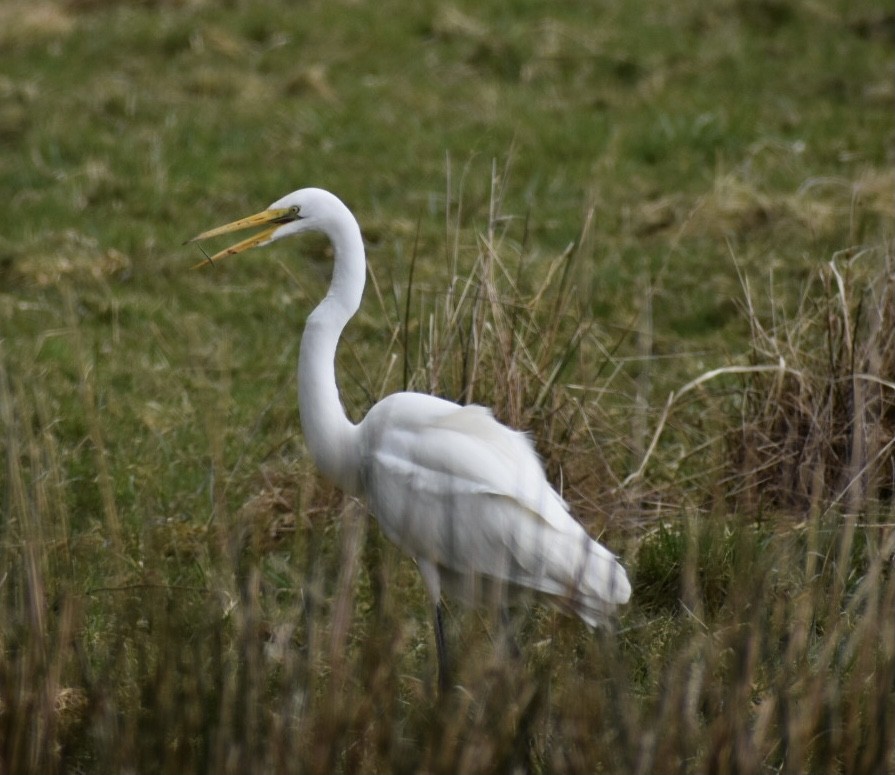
x=818 y=433
x=302 y=642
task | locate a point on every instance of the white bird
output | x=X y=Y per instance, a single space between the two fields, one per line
x=463 y=495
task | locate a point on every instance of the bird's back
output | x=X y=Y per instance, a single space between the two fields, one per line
x=456 y=489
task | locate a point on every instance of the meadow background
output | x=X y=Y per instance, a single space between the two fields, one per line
x=657 y=235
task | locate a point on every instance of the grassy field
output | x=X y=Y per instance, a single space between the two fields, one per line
x=658 y=236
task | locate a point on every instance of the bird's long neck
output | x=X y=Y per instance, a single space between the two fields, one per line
x=331 y=437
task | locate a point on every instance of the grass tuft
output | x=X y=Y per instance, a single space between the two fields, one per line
x=818 y=434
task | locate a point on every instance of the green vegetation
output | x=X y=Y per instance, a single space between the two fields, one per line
x=658 y=236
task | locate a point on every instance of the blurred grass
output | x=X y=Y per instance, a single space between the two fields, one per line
x=676 y=189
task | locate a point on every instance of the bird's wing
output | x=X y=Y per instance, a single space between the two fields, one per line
x=443 y=445
x=453 y=486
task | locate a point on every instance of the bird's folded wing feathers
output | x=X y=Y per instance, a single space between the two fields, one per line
x=464 y=449
x=453 y=486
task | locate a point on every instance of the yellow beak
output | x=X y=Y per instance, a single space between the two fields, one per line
x=275 y=217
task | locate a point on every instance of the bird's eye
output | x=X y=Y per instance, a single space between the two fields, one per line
x=289 y=214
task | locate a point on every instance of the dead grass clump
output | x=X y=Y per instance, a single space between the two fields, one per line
x=30 y=22
x=494 y=336
x=269 y=516
x=820 y=430
x=68 y=255
x=736 y=205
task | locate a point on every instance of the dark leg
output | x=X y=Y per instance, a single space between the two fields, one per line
x=508 y=625
x=444 y=679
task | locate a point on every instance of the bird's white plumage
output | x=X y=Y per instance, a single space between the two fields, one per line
x=455 y=488
x=463 y=495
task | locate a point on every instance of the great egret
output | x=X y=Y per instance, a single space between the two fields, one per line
x=463 y=495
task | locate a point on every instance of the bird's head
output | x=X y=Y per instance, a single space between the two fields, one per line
x=308 y=209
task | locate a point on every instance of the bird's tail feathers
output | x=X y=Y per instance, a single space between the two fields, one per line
x=579 y=573
x=597 y=583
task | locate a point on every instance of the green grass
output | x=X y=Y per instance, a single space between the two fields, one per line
x=642 y=194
